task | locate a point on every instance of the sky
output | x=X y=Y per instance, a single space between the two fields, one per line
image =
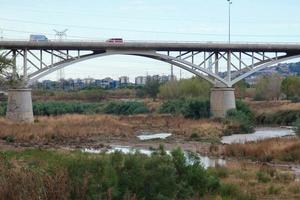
x=159 y=20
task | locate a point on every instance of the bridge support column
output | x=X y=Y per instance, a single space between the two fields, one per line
x=222 y=99
x=19 y=105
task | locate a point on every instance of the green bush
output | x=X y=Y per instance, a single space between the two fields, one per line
x=283 y=117
x=172 y=106
x=126 y=108
x=59 y=108
x=196 y=108
x=3 y=107
x=106 y=176
x=274 y=190
x=263 y=177
x=237 y=122
x=297 y=127
x=193 y=87
x=243 y=107
x=229 y=190
x=189 y=107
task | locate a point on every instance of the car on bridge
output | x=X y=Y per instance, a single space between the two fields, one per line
x=38 y=38
x=115 y=40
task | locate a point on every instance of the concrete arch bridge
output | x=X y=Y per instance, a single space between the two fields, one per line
x=221 y=64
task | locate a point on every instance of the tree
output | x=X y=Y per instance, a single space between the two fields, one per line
x=240 y=89
x=193 y=87
x=8 y=73
x=268 y=87
x=152 y=88
x=291 y=87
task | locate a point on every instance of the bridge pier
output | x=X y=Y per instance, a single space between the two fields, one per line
x=19 y=105
x=222 y=99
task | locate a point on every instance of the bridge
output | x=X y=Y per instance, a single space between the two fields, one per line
x=222 y=64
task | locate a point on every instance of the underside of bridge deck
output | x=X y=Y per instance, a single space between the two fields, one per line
x=223 y=65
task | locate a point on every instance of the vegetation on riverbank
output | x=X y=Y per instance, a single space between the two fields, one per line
x=49 y=174
x=40 y=174
x=92 y=94
x=54 y=108
x=239 y=120
x=81 y=128
x=125 y=108
x=297 y=127
x=257 y=181
x=279 y=149
x=193 y=108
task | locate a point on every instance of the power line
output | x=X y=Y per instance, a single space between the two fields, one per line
x=45 y=33
x=153 y=18
x=142 y=31
x=199 y=34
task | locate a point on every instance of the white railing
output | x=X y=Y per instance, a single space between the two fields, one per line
x=151 y=41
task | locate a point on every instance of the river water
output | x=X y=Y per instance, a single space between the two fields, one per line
x=206 y=161
x=259 y=134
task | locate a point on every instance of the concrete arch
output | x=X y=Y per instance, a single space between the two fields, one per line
x=188 y=66
x=263 y=66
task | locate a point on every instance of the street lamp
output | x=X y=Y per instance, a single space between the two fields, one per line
x=229 y=18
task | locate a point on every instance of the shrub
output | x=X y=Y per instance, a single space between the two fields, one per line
x=219 y=171
x=274 y=190
x=87 y=94
x=59 y=108
x=229 y=190
x=193 y=87
x=283 y=117
x=193 y=108
x=196 y=108
x=297 y=127
x=263 y=177
x=3 y=107
x=42 y=174
x=243 y=107
x=172 y=106
x=126 y=108
x=237 y=122
x=8 y=138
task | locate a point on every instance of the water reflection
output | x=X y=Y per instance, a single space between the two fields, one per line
x=259 y=134
x=206 y=161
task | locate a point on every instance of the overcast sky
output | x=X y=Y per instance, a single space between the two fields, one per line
x=188 y=20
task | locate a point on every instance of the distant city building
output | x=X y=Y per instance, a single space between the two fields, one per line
x=89 y=81
x=124 y=80
x=141 y=80
x=78 y=83
x=106 y=83
x=155 y=78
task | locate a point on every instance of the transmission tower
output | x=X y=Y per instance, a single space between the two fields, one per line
x=60 y=35
x=1 y=34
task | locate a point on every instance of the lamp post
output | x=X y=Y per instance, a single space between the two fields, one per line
x=229 y=19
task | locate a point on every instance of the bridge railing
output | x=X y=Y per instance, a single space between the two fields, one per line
x=146 y=41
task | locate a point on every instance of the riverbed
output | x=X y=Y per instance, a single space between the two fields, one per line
x=259 y=134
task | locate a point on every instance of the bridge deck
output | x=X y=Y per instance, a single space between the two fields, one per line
x=158 y=46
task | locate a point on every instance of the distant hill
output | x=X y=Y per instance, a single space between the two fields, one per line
x=283 y=69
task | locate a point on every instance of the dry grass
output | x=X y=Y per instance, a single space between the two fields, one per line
x=272 y=106
x=82 y=127
x=18 y=182
x=280 y=186
x=282 y=149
